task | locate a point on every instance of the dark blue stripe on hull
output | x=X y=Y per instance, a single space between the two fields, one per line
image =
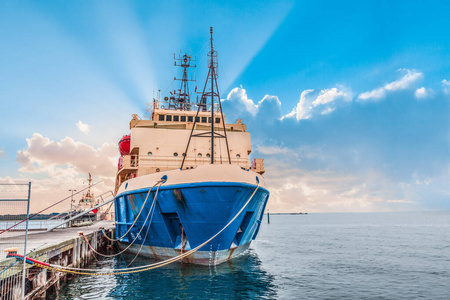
x=202 y=209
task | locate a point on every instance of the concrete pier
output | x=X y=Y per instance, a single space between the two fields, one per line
x=62 y=247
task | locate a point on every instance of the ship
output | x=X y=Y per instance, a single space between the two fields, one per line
x=184 y=180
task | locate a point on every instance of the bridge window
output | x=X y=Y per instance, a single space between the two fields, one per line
x=183 y=118
x=190 y=119
x=176 y=118
x=168 y=118
x=209 y=120
x=217 y=120
x=203 y=119
x=197 y=119
x=161 y=117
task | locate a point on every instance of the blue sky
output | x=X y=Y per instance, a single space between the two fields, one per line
x=347 y=101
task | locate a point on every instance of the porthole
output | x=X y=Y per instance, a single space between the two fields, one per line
x=238 y=156
x=208 y=155
x=199 y=155
x=175 y=154
x=157 y=170
x=184 y=154
x=150 y=154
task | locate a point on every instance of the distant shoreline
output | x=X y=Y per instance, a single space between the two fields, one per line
x=300 y=213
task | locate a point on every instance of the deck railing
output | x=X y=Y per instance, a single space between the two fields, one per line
x=174 y=162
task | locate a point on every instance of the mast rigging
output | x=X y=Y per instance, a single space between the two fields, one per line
x=212 y=94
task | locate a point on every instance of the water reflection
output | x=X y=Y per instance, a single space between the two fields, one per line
x=240 y=278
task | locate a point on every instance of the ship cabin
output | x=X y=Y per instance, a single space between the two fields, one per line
x=159 y=143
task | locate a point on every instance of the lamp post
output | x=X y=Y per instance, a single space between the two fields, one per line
x=71 y=205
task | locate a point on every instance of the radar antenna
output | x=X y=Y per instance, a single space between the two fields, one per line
x=180 y=99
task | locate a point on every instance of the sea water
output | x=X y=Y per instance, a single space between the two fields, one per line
x=314 y=256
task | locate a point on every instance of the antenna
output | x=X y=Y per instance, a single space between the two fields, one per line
x=181 y=99
x=213 y=94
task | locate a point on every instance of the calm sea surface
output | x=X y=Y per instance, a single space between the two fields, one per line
x=315 y=256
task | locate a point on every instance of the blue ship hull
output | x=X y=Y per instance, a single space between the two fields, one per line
x=187 y=215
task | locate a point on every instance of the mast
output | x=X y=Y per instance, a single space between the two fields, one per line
x=181 y=99
x=90 y=184
x=213 y=77
x=213 y=94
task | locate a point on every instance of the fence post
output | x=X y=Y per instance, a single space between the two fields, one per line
x=26 y=239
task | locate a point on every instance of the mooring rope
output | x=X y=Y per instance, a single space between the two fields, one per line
x=159 y=182
x=142 y=227
x=146 y=233
x=11 y=265
x=104 y=272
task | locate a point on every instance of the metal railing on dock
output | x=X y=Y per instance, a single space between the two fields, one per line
x=15 y=206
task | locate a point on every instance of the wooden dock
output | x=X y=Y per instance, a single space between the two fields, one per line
x=61 y=246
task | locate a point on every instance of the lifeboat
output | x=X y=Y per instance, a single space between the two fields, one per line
x=124 y=145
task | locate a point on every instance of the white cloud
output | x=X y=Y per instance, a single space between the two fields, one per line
x=330 y=95
x=66 y=156
x=275 y=150
x=271 y=150
x=296 y=190
x=303 y=108
x=53 y=167
x=84 y=128
x=373 y=94
x=238 y=102
x=324 y=101
x=311 y=102
x=313 y=169
x=421 y=93
x=239 y=95
x=2 y=153
x=446 y=86
x=269 y=98
x=328 y=110
x=400 y=201
x=405 y=82
x=420 y=180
